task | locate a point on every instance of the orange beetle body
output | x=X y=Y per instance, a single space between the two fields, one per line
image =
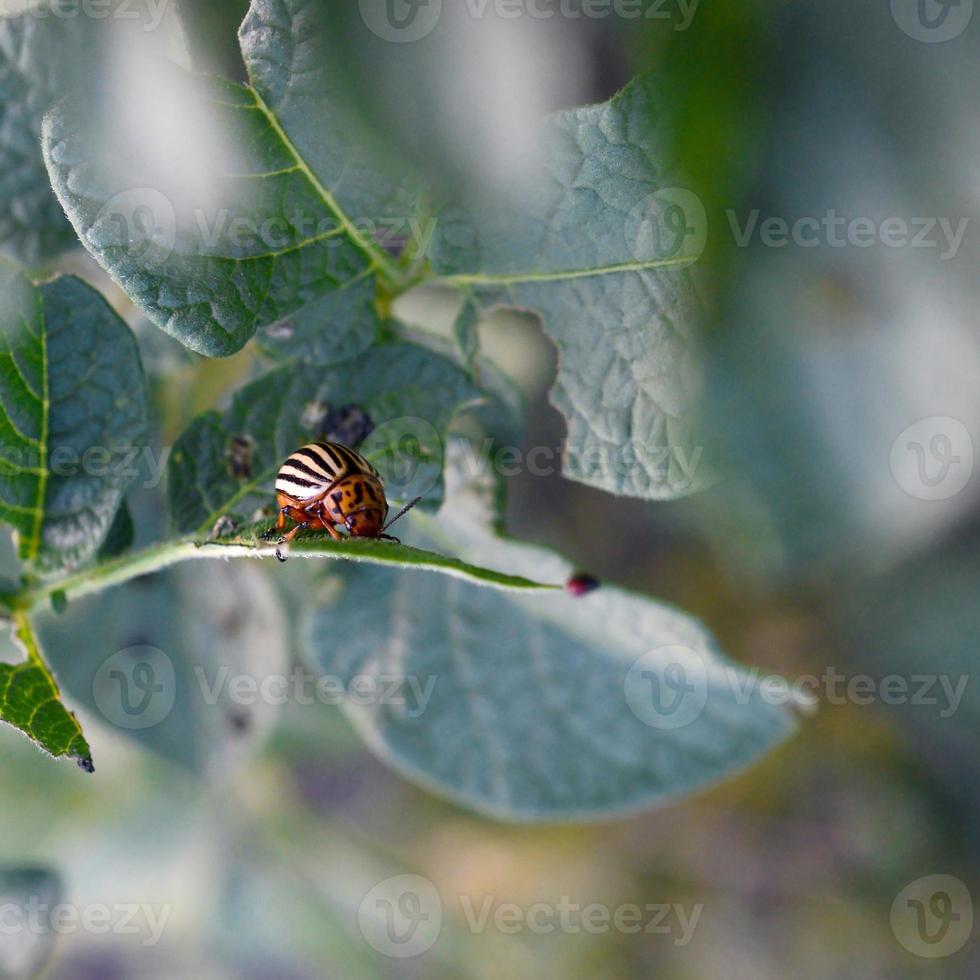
x=326 y=484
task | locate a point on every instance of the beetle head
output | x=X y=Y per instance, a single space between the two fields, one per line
x=365 y=523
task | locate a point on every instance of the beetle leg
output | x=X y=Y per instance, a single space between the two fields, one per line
x=286 y=538
x=319 y=511
x=284 y=513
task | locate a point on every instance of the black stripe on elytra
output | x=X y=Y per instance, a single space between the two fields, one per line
x=331 y=450
x=320 y=459
x=349 y=458
x=297 y=464
x=358 y=462
x=298 y=481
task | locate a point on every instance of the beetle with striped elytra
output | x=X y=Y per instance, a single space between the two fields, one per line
x=324 y=484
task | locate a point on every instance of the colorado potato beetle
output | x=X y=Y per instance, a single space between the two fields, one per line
x=324 y=484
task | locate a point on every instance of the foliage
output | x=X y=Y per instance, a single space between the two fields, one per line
x=261 y=213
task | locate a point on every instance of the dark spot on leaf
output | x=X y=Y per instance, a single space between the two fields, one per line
x=86 y=764
x=59 y=601
x=390 y=241
x=349 y=424
x=239 y=721
x=232 y=623
x=240 y=456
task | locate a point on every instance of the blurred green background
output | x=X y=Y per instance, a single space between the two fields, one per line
x=808 y=553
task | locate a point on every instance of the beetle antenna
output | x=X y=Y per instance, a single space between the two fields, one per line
x=401 y=513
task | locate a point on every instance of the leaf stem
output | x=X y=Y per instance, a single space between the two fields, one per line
x=124 y=568
x=115 y=571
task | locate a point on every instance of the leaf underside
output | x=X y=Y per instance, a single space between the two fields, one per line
x=528 y=714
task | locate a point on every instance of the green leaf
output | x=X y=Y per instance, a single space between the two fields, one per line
x=371 y=552
x=599 y=246
x=254 y=208
x=157 y=660
x=286 y=408
x=31 y=702
x=27 y=896
x=285 y=47
x=535 y=707
x=332 y=328
x=73 y=417
x=38 y=62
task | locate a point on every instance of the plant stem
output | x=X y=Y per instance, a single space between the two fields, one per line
x=109 y=573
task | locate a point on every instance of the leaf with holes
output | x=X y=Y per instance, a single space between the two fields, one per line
x=404 y=389
x=73 y=417
x=31 y=702
x=600 y=247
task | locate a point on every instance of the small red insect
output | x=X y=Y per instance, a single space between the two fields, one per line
x=324 y=484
